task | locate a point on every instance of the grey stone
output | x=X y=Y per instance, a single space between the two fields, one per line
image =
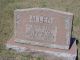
x=43 y=27
x=43 y=31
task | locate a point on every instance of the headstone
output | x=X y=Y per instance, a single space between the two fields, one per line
x=45 y=31
x=43 y=27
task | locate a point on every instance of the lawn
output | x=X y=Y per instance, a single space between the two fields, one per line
x=7 y=8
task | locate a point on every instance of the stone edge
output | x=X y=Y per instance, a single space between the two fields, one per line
x=48 y=9
x=24 y=49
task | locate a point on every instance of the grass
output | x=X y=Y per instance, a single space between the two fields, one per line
x=12 y=55
x=7 y=8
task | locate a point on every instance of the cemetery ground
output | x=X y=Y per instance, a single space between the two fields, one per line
x=7 y=8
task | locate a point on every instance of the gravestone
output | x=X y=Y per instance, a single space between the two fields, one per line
x=43 y=27
x=43 y=30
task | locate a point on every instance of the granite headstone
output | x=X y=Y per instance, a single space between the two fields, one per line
x=43 y=27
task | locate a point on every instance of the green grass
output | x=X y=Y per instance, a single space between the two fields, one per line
x=7 y=8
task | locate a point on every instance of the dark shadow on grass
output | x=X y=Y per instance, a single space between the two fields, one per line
x=77 y=42
x=72 y=42
x=77 y=55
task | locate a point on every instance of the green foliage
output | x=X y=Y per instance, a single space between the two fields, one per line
x=40 y=58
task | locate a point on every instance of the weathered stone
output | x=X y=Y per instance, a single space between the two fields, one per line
x=49 y=53
x=43 y=31
x=43 y=27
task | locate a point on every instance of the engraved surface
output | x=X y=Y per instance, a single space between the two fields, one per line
x=44 y=26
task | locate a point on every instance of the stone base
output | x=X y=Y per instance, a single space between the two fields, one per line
x=51 y=53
